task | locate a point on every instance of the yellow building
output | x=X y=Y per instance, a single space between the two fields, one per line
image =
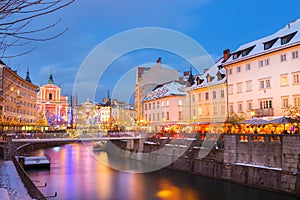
x=18 y=101
x=206 y=98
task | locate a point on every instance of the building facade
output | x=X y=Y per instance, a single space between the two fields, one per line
x=18 y=101
x=164 y=105
x=207 y=100
x=53 y=104
x=263 y=76
x=148 y=79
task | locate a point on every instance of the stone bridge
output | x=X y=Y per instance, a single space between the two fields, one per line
x=10 y=145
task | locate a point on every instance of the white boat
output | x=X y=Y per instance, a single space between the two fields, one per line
x=34 y=162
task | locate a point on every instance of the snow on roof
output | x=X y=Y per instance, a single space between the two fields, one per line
x=173 y=88
x=290 y=31
x=213 y=76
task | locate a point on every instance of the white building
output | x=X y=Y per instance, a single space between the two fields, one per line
x=263 y=76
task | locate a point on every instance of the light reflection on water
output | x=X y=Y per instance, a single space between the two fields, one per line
x=76 y=173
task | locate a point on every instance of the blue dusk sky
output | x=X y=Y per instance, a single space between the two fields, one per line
x=215 y=24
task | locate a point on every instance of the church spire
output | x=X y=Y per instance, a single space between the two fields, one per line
x=50 y=81
x=27 y=76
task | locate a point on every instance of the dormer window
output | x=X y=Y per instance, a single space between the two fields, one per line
x=199 y=81
x=286 y=39
x=209 y=78
x=245 y=52
x=235 y=56
x=269 y=44
x=220 y=76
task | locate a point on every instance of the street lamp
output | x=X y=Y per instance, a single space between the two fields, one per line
x=252 y=113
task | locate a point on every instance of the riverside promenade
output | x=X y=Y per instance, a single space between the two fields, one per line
x=11 y=185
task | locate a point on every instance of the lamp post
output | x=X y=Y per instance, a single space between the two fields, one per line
x=252 y=113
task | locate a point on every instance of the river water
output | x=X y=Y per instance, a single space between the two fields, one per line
x=76 y=174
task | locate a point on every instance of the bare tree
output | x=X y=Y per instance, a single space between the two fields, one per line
x=16 y=19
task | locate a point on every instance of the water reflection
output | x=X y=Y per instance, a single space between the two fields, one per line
x=76 y=173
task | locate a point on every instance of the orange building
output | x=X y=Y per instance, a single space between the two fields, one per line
x=17 y=101
x=53 y=104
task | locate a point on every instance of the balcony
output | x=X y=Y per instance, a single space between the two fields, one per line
x=265 y=112
x=18 y=105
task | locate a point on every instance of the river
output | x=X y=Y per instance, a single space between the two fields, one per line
x=76 y=174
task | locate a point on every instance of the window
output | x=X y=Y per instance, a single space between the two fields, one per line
x=207 y=111
x=296 y=79
x=235 y=56
x=230 y=71
x=286 y=39
x=222 y=110
x=249 y=106
x=265 y=104
x=264 y=84
x=261 y=84
x=294 y=54
x=153 y=105
x=284 y=80
x=200 y=111
x=238 y=69
x=162 y=103
x=215 y=111
x=150 y=117
x=230 y=89
x=240 y=107
x=231 y=110
x=193 y=98
x=153 y=117
x=214 y=94
x=261 y=63
x=162 y=115
x=145 y=105
x=248 y=86
x=268 y=83
x=157 y=116
x=167 y=103
x=297 y=101
x=179 y=102
x=168 y=116
x=179 y=115
x=222 y=93
x=248 y=67
x=199 y=97
x=283 y=57
x=267 y=45
x=284 y=102
x=146 y=117
x=50 y=96
x=206 y=96
x=149 y=106
x=157 y=105
x=267 y=62
x=283 y=40
x=239 y=88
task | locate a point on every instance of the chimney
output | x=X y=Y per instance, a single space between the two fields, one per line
x=226 y=54
x=159 y=60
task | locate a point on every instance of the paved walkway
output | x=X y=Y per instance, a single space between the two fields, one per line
x=11 y=185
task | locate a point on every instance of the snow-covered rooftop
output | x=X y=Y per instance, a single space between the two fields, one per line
x=213 y=76
x=173 y=88
x=286 y=36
